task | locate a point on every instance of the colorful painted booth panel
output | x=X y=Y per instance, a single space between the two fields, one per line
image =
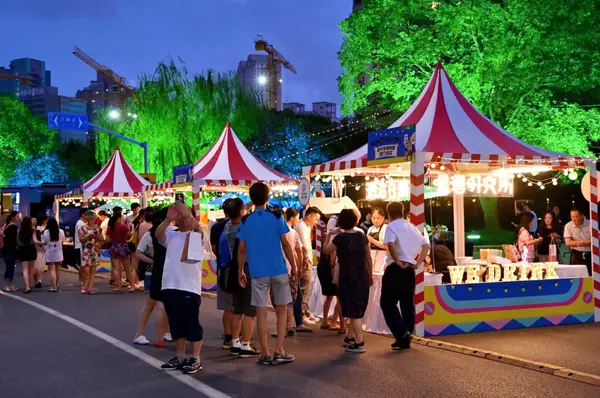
x=481 y=307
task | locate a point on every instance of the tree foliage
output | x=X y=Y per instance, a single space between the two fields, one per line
x=531 y=66
x=21 y=136
x=180 y=116
x=39 y=169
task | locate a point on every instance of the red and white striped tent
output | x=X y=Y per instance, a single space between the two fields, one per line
x=230 y=163
x=451 y=131
x=116 y=180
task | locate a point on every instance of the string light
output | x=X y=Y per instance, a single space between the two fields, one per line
x=374 y=116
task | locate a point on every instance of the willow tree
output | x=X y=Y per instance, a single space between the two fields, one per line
x=531 y=66
x=180 y=116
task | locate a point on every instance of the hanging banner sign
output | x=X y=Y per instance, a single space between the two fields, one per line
x=476 y=185
x=182 y=173
x=393 y=145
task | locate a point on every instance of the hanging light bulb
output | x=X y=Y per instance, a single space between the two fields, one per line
x=357 y=187
x=376 y=179
x=554 y=181
x=367 y=178
x=572 y=175
x=352 y=174
x=524 y=179
x=442 y=167
x=317 y=177
x=539 y=183
x=566 y=172
x=529 y=184
x=519 y=175
x=432 y=165
x=542 y=187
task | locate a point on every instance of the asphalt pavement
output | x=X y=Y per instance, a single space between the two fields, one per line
x=50 y=354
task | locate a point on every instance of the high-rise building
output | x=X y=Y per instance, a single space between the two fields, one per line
x=253 y=76
x=325 y=109
x=41 y=100
x=33 y=69
x=295 y=107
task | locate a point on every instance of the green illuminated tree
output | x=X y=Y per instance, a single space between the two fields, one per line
x=180 y=116
x=531 y=66
x=21 y=136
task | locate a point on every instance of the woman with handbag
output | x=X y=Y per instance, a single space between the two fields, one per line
x=118 y=233
x=90 y=236
x=27 y=251
x=549 y=233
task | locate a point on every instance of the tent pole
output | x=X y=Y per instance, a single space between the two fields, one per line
x=594 y=167
x=459 y=224
x=417 y=217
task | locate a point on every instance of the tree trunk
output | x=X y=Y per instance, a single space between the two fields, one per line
x=490 y=213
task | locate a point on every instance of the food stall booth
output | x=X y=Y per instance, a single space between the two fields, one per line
x=116 y=180
x=228 y=166
x=443 y=141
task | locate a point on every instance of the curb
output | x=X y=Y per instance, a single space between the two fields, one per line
x=559 y=371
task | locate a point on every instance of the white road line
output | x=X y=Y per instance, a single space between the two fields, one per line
x=142 y=356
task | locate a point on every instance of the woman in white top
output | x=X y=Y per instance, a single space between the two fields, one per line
x=375 y=235
x=53 y=239
x=525 y=239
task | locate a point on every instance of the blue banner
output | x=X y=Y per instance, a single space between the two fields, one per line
x=391 y=145
x=182 y=173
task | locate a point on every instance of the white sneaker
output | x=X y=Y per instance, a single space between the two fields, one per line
x=167 y=337
x=307 y=321
x=141 y=340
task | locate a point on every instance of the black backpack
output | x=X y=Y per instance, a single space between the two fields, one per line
x=228 y=276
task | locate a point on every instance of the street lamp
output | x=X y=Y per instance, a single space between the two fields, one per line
x=114 y=114
x=262 y=80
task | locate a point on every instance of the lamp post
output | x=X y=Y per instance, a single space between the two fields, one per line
x=144 y=144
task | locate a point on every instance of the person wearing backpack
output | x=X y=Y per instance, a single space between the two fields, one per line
x=8 y=244
x=243 y=310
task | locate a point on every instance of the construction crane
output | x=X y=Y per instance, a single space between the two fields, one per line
x=24 y=80
x=106 y=72
x=274 y=63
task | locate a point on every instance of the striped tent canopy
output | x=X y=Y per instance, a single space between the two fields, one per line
x=116 y=179
x=230 y=163
x=450 y=129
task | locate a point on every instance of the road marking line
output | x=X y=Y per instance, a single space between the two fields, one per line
x=556 y=370
x=142 y=356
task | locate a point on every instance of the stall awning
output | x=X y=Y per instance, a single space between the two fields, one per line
x=116 y=179
x=229 y=162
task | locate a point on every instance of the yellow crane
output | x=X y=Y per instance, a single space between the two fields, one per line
x=274 y=62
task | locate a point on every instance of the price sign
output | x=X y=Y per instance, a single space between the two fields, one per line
x=304 y=191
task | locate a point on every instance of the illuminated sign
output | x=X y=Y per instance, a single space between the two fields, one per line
x=397 y=189
x=391 y=145
x=476 y=185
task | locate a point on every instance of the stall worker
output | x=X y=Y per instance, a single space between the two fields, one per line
x=526 y=242
x=375 y=235
x=578 y=238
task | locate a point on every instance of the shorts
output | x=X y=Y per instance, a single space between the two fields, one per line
x=183 y=311
x=242 y=299
x=224 y=300
x=118 y=251
x=147 y=282
x=280 y=285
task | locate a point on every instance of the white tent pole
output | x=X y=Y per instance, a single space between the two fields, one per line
x=458 y=202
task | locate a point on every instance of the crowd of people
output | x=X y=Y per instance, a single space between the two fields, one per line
x=543 y=243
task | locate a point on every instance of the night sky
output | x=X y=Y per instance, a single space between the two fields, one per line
x=133 y=36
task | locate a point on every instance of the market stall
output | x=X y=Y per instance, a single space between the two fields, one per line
x=115 y=180
x=445 y=142
x=228 y=166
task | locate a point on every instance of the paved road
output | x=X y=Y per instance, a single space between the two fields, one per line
x=42 y=354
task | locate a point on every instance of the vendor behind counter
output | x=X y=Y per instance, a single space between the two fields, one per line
x=375 y=236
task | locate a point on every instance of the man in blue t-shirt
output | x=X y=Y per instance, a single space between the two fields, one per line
x=262 y=238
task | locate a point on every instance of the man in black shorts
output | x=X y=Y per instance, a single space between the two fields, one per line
x=181 y=287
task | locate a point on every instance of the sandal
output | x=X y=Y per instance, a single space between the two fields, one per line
x=325 y=326
x=341 y=331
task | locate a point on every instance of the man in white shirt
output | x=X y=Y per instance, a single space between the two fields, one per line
x=578 y=238
x=77 y=244
x=312 y=215
x=181 y=288
x=405 y=243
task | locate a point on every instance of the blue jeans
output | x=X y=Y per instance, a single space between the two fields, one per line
x=10 y=259
x=298 y=306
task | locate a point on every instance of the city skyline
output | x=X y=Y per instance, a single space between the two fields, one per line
x=306 y=32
